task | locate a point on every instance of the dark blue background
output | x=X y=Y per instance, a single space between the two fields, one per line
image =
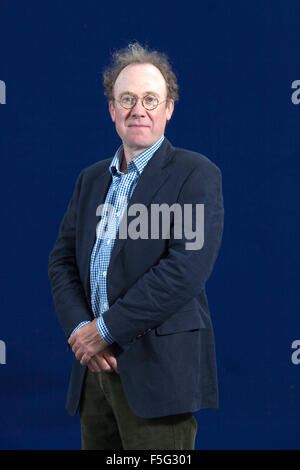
x=235 y=62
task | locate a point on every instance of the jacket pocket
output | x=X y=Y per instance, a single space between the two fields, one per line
x=182 y=321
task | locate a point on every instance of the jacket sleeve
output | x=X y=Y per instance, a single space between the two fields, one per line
x=68 y=294
x=180 y=275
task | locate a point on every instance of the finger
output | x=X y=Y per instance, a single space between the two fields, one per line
x=112 y=361
x=111 y=358
x=85 y=359
x=103 y=364
x=93 y=366
x=97 y=364
x=82 y=356
x=75 y=347
x=79 y=354
x=71 y=340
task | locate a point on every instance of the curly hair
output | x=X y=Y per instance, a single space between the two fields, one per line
x=136 y=54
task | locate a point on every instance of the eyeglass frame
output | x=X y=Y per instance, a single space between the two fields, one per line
x=142 y=99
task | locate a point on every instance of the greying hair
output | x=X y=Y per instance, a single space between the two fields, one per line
x=136 y=54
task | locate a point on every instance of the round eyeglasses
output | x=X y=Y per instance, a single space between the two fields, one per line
x=149 y=102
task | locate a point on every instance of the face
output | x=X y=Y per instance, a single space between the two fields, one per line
x=139 y=128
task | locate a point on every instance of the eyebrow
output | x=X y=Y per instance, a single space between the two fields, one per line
x=144 y=94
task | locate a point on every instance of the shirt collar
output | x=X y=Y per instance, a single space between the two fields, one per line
x=138 y=163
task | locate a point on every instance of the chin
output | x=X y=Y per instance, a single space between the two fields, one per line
x=140 y=143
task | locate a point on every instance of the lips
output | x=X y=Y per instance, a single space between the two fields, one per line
x=137 y=125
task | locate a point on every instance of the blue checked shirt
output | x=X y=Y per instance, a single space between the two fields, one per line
x=118 y=196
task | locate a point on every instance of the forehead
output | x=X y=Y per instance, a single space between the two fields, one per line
x=140 y=78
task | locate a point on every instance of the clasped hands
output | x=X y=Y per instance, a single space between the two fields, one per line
x=91 y=350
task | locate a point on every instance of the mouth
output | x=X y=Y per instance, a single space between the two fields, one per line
x=137 y=126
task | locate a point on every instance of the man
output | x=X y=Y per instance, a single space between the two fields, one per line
x=134 y=308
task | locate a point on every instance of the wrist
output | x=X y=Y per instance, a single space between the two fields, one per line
x=103 y=331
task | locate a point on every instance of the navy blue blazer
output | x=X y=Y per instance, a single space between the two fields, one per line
x=158 y=311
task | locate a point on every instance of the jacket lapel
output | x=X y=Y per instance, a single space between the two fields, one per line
x=152 y=178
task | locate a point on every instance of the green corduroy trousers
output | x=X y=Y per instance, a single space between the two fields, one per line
x=107 y=422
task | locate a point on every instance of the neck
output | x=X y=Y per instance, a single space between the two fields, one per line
x=129 y=154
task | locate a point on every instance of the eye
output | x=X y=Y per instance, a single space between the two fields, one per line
x=150 y=102
x=149 y=99
x=127 y=99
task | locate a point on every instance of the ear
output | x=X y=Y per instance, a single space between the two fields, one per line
x=112 y=111
x=169 y=109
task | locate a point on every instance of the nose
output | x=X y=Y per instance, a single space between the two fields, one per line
x=138 y=109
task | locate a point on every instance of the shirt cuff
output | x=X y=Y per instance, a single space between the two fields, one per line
x=79 y=326
x=103 y=331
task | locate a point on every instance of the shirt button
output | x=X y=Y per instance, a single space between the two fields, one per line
x=108 y=241
x=105 y=305
x=104 y=274
x=118 y=214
